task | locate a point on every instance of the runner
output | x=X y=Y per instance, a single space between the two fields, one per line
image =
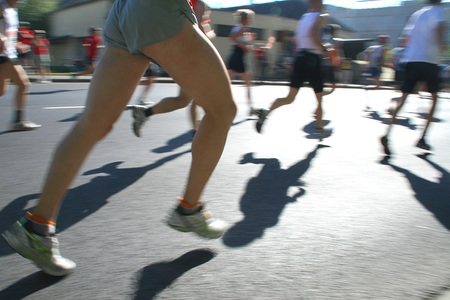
x=10 y=69
x=376 y=55
x=241 y=37
x=307 y=64
x=425 y=36
x=167 y=34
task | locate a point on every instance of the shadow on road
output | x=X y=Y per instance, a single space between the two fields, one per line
x=73 y=118
x=175 y=142
x=405 y=122
x=185 y=138
x=266 y=196
x=155 y=278
x=84 y=200
x=312 y=132
x=29 y=285
x=434 y=196
x=55 y=92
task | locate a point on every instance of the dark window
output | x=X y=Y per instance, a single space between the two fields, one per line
x=223 y=30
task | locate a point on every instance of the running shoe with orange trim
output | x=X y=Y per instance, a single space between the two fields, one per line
x=42 y=250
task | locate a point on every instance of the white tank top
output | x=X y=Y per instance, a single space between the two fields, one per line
x=303 y=33
x=241 y=38
x=9 y=26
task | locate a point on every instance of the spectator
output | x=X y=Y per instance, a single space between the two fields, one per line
x=41 y=49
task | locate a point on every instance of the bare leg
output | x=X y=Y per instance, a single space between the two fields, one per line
x=172 y=103
x=196 y=66
x=285 y=100
x=430 y=114
x=104 y=105
x=3 y=85
x=396 y=110
x=319 y=110
x=246 y=76
x=193 y=113
x=148 y=84
x=20 y=78
x=15 y=73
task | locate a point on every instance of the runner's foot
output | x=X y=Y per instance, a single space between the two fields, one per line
x=200 y=222
x=42 y=250
x=139 y=118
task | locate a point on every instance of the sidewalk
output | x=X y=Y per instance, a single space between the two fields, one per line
x=87 y=78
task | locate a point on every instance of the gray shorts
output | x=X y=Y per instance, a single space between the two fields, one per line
x=135 y=24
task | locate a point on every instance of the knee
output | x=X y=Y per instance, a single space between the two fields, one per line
x=183 y=101
x=228 y=111
x=94 y=130
x=289 y=100
x=23 y=86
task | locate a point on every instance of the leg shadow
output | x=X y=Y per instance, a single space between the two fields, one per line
x=29 y=285
x=155 y=278
x=434 y=196
x=175 y=143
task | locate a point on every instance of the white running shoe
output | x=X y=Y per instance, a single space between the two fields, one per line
x=42 y=250
x=139 y=118
x=24 y=126
x=201 y=223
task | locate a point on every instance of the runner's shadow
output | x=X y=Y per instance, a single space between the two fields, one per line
x=424 y=116
x=184 y=139
x=312 y=133
x=434 y=196
x=405 y=122
x=29 y=285
x=74 y=118
x=266 y=196
x=84 y=200
x=55 y=92
x=155 y=278
x=175 y=143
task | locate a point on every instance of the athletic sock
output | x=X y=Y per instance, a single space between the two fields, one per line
x=40 y=226
x=18 y=116
x=188 y=209
x=149 y=112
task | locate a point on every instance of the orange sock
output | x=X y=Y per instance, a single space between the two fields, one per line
x=39 y=219
x=187 y=205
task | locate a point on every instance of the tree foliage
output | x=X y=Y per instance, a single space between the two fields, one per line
x=36 y=12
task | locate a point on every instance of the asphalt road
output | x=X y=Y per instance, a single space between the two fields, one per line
x=309 y=219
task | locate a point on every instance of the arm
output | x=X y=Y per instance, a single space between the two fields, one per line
x=234 y=38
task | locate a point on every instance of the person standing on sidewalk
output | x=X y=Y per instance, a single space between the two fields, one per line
x=425 y=36
x=136 y=32
x=307 y=64
x=10 y=69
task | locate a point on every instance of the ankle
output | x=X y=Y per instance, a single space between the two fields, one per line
x=41 y=226
x=185 y=208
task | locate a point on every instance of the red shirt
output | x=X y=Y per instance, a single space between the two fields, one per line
x=92 y=43
x=25 y=36
x=41 y=46
x=193 y=2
